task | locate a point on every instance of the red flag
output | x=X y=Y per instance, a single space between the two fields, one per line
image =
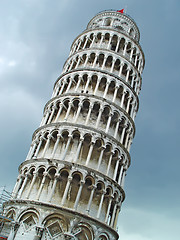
x=121 y=11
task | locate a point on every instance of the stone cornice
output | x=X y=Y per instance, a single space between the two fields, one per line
x=81 y=126
x=103 y=72
x=63 y=209
x=113 y=30
x=96 y=97
x=56 y=161
x=117 y=14
x=86 y=50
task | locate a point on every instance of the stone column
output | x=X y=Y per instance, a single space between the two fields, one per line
x=78 y=194
x=108 y=122
x=16 y=189
x=116 y=169
x=79 y=44
x=108 y=210
x=127 y=76
x=120 y=174
x=68 y=111
x=27 y=176
x=94 y=63
x=129 y=144
x=122 y=99
x=14 y=229
x=86 y=61
x=78 y=150
x=32 y=147
x=89 y=153
x=112 y=67
x=100 y=157
x=121 y=68
x=102 y=36
x=87 y=83
x=94 y=37
x=56 y=178
x=69 y=85
x=47 y=144
x=117 y=127
x=106 y=89
x=133 y=79
x=89 y=113
x=45 y=174
x=90 y=198
x=38 y=147
x=59 y=111
x=67 y=146
x=78 y=62
x=97 y=85
x=123 y=133
x=66 y=190
x=85 y=42
x=78 y=112
x=78 y=83
x=128 y=103
x=35 y=174
x=39 y=233
x=117 y=46
x=62 y=87
x=132 y=109
x=123 y=179
x=52 y=114
x=115 y=93
x=113 y=215
x=127 y=138
x=125 y=48
x=100 y=204
x=110 y=38
x=109 y=163
x=56 y=144
x=105 y=58
x=99 y=116
x=131 y=54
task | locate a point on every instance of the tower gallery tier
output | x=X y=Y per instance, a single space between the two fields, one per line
x=71 y=184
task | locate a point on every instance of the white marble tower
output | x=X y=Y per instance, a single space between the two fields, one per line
x=71 y=184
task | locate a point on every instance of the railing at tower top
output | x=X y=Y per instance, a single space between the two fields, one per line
x=114 y=10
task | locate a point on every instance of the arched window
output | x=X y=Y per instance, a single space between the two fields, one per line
x=83 y=232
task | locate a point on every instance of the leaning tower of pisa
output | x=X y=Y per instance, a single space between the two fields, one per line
x=71 y=184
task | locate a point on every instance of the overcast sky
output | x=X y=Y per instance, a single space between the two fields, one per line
x=35 y=39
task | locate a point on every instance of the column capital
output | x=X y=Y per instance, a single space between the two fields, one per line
x=102 y=191
x=81 y=139
x=81 y=182
x=70 y=178
x=103 y=147
x=35 y=173
x=54 y=107
x=57 y=176
x=49 y=136
x=70 y=136
x=39 y=231
x=21 y=176
x=28 y=175
x=92 y=187
x=101 y=108
x=46 y=174
x=59 y=135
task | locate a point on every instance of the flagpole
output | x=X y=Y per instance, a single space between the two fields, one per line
x=125 y=9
